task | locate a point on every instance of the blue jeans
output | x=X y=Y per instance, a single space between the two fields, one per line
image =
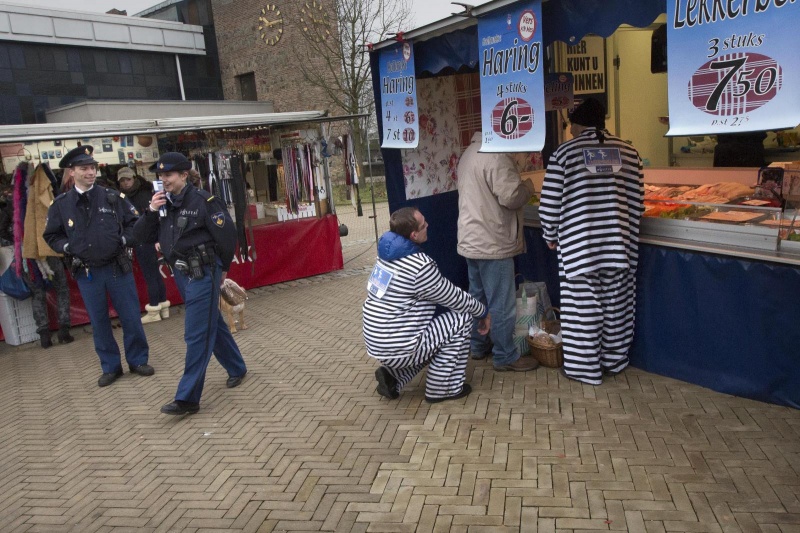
x=205 y=331
x=108 y=281
x=491 y=281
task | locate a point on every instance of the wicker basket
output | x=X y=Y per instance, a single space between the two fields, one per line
x=549 y=356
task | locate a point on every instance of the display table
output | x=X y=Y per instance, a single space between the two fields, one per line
x=285 y=251
x=717 y=320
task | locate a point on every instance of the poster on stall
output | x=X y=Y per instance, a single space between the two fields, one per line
x=399 y=97
x=732 y=66
x=558 y=92
x=512 y=81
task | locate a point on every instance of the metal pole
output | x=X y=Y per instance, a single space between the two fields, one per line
x=180 y=76
x=371 y=181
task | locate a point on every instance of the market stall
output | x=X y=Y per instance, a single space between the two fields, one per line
x=718 y=273
x=287 y=228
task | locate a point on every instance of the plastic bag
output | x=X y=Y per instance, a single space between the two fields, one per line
x=13 y=285
x=527 y=314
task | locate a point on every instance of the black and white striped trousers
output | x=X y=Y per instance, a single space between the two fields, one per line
x=444 y=347
x=597 y=315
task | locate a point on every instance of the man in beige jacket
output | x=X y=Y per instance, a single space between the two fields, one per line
x=491 y=197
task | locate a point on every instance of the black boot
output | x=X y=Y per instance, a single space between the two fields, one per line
x=44 y=338
x=63 y=335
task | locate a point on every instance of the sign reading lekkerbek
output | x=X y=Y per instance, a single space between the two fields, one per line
x=733 y=65
x=512 y=83
x=399 y=97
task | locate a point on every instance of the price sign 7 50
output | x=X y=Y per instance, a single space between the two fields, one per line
x=734 y=84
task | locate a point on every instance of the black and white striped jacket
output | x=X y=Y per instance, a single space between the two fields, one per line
x=394 y=320
x=592 y=202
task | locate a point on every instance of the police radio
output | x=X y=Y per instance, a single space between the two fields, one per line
x=158 y=185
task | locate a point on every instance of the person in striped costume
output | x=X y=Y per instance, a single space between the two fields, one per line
x=592 y=202
x=400 y=330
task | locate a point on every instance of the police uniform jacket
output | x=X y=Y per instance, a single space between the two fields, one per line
x=194 y=217
x=97 y=224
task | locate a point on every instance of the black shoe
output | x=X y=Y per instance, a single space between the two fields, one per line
x=481 y=356
x=45 y=339
x=63 y=335
x=465 y=390
x=107 y=379
x=143 y=370
x=179 y=407
x=235 y=381
x=387 y=385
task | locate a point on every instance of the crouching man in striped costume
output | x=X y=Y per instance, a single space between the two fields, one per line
x=592 y=201
x=399 y=328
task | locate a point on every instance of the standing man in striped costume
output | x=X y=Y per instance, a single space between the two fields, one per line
x=399 y=328
x=592 y=201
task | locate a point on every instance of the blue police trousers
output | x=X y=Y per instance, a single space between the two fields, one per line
x=109 y=281
x=205 y=331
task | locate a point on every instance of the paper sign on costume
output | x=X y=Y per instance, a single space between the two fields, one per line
x=733 y=66
x=399 y=97
x=512 y=81
x=379 y=281
x=602 y=160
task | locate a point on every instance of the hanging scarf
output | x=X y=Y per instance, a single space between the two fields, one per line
x=20 y=205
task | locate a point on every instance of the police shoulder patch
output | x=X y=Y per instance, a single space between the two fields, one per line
x=122 y=195
x=218 y=219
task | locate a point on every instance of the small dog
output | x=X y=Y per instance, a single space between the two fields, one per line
x=232 y=298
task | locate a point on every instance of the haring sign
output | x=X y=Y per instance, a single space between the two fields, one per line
x=732 y=65
x=512 y=86
x=399 y=114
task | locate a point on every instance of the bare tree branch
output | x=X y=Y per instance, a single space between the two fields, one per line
x=334 y=58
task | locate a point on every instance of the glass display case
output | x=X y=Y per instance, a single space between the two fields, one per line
x=740 y=224
x=722 y=211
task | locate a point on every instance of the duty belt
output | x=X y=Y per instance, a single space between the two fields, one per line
x=191 y=263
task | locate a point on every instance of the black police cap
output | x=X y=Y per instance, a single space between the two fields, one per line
x=171 y=161
x=82 y=155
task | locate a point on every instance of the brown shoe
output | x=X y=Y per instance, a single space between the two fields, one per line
x=523 y=364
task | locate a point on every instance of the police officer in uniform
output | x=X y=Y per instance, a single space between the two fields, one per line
x=92 y=225
x=198 y=239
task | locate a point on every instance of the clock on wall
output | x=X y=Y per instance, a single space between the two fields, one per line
x=270 y=24
x=316 y=21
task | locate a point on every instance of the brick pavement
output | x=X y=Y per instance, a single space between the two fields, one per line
x=305 y=444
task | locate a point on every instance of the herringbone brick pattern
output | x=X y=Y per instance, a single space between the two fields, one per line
x=305 y=444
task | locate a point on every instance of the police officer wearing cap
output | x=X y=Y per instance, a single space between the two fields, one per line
x=198 y=239
x=92 y=225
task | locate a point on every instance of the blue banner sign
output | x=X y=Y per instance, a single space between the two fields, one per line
x=733 y=66
x=399 y=97
x=512 y=81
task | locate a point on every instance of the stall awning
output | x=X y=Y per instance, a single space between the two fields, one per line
x=82 y=130
x=451 y=43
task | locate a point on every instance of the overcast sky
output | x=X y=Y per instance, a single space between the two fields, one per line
x=425 y=11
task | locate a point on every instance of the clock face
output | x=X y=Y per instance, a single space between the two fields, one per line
x=316 y=21
x=270 y=24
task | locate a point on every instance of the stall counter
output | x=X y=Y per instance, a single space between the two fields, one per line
x=720 y=316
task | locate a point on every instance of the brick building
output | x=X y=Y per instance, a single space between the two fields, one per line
x=258 y=43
